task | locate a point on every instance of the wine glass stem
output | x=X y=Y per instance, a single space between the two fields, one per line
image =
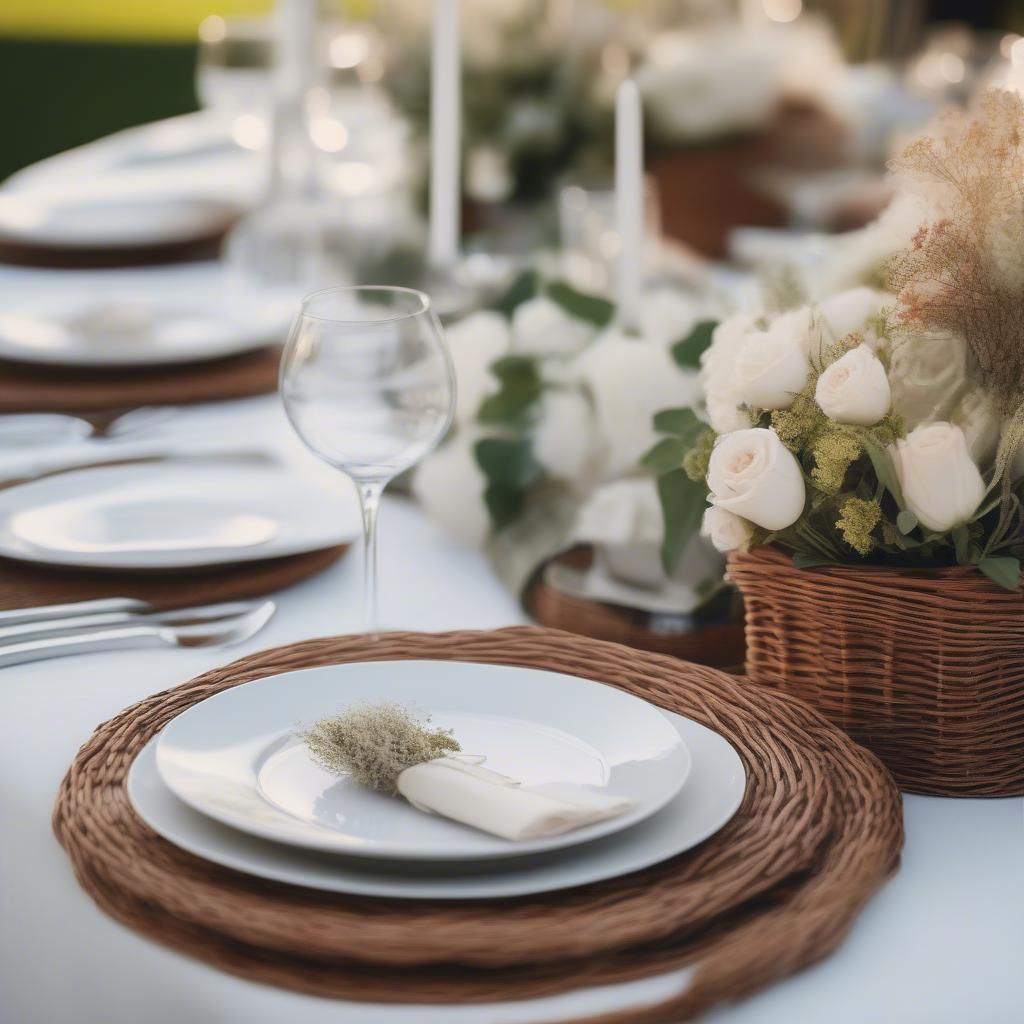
x=369 y=498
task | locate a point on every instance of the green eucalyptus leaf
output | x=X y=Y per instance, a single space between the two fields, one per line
x=666 y=455
x=906 y=521
x=683 y=502
x=1002 y=570
x=681 y=422
x=687 y=352
x=591 y=308
x=504 y=504
x=961 y=543
x=507 y=462
x=521 y=386
x=522 y=288
x=884 y=468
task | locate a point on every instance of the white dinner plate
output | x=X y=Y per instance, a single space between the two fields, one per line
x=112 y=222
x=235 y=756
x=175 y=514
x=712 y=795
x=131 y=332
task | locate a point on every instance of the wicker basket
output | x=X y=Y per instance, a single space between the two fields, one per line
x=925 y=668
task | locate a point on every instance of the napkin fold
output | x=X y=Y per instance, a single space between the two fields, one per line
x=476 y=796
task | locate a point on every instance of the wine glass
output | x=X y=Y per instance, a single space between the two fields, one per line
x=368 y=384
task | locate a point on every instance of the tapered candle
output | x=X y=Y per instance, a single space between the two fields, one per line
x=445 y=121
x=629 y=201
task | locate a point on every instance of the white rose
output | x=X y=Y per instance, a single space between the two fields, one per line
x=475 y=342
x=726 y=530
x=449 y=485
x=940 y=482
x=630 y=379
x=854 y=389
x=753 y=474
x=850 y=311
x=798 y=326
x=928 y=374
x=718 y=374
x=771 y=369
x=540 y=327
x=668 y=314
x=563 y=440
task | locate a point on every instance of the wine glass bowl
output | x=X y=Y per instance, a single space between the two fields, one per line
x=368 y=385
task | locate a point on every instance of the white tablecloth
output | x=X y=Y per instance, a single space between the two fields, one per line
x=941 y=944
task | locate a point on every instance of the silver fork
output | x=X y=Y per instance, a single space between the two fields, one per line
x=220 y=633
x=88 y=616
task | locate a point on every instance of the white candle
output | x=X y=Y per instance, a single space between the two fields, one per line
x=629 y=201
x=445 y=121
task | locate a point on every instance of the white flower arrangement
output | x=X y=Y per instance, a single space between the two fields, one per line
x=723 y=80
x=555 y=410
x=882 y=427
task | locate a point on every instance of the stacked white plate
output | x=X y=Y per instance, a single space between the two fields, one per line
x=230 y=781
x=176 y=513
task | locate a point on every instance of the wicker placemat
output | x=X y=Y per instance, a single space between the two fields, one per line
x=205 y=246
x=777 y=889
x=23 y=585
x=25 y=388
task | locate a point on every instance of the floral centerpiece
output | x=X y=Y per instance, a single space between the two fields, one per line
x=876 y=441
x=555 y=406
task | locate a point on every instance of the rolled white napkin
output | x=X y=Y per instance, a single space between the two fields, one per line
x=484 y=799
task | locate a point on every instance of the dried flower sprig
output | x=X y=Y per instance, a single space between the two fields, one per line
x=375 y=743
x=964 y=271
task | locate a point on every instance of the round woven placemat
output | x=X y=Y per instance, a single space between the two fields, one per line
x=23 y=585
x=775 y=890
x=25 y=388
x=718 y=642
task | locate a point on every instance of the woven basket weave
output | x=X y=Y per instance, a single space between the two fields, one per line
x=925 y=668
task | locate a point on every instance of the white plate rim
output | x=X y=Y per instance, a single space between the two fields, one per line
x=247 y=338
x=14 y=500
x=327 y=841
x=337 y=874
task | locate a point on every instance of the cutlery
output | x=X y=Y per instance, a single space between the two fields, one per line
x=38 y=623
x=220 y=633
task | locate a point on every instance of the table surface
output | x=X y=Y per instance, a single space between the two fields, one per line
x=942 y=943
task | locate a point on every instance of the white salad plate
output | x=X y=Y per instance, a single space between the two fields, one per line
x=110 y=222
x=131 y=332
x=236 y=757
x=713 y=793
x=175 y=514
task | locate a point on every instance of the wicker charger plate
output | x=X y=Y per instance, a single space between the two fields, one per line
x=23 y=585
x=777 y=889
x=26 y=388
x=716 y=641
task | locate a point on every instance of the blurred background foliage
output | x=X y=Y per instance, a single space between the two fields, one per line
x=74 y=70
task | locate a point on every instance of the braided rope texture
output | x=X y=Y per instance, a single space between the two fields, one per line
x=925 y=668
x=777 y=889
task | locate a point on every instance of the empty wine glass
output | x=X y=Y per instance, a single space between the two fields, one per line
x=368 y=384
